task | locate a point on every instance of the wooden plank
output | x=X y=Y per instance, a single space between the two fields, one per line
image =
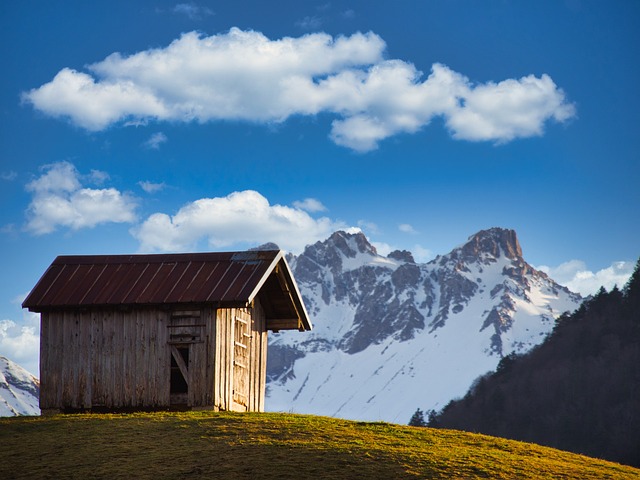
x=45 y=367
x=140 y=353
x=68 y=371
x=97 y=339
x=261 y=353
x=185 y=313
x=84 y=361
x=153 y=362
x=129 y=355
x=184 y=369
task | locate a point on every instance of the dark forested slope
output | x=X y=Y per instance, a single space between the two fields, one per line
x=578 y=391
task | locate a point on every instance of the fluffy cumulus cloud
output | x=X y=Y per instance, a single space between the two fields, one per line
x=60 y=200
x=575 y=275
x=243 y=75
x=240 y=217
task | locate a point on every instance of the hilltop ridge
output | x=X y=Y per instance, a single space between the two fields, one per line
x=271 y=446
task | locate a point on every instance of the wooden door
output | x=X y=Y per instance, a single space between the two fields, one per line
x=179 y=380
x=241 y=359
x=186 y=340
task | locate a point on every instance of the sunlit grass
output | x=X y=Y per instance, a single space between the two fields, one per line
x=270 y=445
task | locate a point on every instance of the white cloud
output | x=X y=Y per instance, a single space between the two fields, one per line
x=406 y=228
x=369 y=227
x=192 y=10
x=309 y=23
x=575 y=275
x=421 y=254
x=240 y=217
x=99 y=177
x=9 y=176
x=383 y=248
x=155 y=141
x=59 y=200
x=510 y=109
x=151 y=187
x=20 y=341
x=310 y=205
x=243 y=75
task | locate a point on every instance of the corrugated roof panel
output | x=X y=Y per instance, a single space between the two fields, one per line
x=103 y=285
x=223 y=278
x=76 y=287
x=58 y=286
x=189 y=274
x=147 y=284
x=216 y=276
x=45 y=283
x=226 y=280
x=126 y=281
x=203 y=284
x=168 y=275
x=246 y=280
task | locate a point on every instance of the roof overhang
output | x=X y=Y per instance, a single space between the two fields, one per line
x=224 y=279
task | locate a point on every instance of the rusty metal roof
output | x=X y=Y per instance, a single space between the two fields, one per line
x=222 y=278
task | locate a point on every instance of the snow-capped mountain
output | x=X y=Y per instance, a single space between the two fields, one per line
x=391 y=335
x=19 y=390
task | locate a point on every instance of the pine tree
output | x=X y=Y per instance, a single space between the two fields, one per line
x=417 y=420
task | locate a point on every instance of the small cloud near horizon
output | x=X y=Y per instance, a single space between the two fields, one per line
x=575 y=275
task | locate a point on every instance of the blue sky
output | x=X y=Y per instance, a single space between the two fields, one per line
x=166 y=126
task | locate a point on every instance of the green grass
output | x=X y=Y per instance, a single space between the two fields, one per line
x=270 y=445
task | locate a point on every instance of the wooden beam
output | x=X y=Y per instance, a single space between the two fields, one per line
x=285 y=288
x=181 y=365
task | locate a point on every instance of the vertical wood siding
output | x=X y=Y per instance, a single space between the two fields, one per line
x=122 y=358
x=104 y=358
x=258 y=364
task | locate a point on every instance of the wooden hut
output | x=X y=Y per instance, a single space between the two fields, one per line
x=161 y=331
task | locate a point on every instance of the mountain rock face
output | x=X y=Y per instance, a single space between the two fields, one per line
x=391 y=335
x=19 y=390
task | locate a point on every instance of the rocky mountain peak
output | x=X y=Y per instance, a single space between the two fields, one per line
x=402 y=256
x=350 y=244
x=495 y=242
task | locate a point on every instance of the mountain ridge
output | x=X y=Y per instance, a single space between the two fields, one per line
x=582 y=384
x=19 y=390
x=385 y=323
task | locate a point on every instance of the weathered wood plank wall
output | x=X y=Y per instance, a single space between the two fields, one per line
x=104 y=358
x=122 y=358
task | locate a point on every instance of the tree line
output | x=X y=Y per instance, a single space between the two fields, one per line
x=578 y=391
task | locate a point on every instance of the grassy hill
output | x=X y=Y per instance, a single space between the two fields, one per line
x=263 y=446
